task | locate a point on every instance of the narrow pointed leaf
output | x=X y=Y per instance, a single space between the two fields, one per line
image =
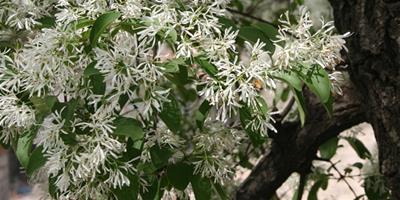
x=101 y=24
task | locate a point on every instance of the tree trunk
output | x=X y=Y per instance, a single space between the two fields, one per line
x=294 y=148
x=375 y=70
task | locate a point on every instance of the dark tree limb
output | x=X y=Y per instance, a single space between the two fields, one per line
x=294 y=147
x=374 y=58
x=250 y=17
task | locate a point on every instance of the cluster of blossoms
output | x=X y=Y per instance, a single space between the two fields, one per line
x=24 y=14
x=302 y=46
x=128 y=75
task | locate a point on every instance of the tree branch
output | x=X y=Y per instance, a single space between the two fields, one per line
x=280 y=115
x=251 y=17
x=294 y=147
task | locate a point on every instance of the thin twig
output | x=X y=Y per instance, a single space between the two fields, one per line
x=282 y=114
x=251 y=17
x=341 y=176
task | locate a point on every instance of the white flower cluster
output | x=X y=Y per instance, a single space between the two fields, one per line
x=54 y=63
x=127 y=71
x=24 y=14
x=302 y=46
x=50 y=64
x=77 y=168
x=15 y=117
x=239 y=83
x=212 y=147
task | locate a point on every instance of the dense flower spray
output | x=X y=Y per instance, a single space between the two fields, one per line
x=98 y=105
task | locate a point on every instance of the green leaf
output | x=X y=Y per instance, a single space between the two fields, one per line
x=256 y=138
x=328 y=149
x=131 y=26
x=147 y=168
x=43 y=105
x=202 y=188
x=291 y=78
x=91 y=70
x=69 y=110
x=358 y=165
x=202 y=113
x=268 y=29
x=101 y=24
x=317 y=80
x=81 y=23
x=159 y=192
x=262 y=105
x=329 y=105
x=52 y=187
x=238 y=4
x=160 y=156
x=284 y=95
x=24 y=146
x=359 y=147
x=227 y=23
x=46 y=22
x=36 y=161
x=129 y=192
x=209 y=68
x=375 y=188
x=171 y=115
x=173 y=65
x=172 y=36
x=320 y=183
x=252 y=34
x=300 y=189
x=128 y=127
x=154 y=191
x=220 y=191
x=96 y=79
x=179 y=175
x=298 y=96
x=313 y=193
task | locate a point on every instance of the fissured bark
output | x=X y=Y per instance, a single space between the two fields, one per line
x=374 y=67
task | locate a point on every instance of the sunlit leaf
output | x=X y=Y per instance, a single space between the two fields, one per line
x=101 y=24
x=128 y=127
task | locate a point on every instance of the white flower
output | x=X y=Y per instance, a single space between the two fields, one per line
x=302 y=47
x=48 y=135
x=161 y=136
x=239 y=83
x=117 y=179
x=51 y=63
x=14 y=117
x=212 y=146
x=63 y=181
x=23 y=14
x=220 y=47
x=132 y=8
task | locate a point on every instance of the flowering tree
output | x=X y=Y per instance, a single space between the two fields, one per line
x=152 y=99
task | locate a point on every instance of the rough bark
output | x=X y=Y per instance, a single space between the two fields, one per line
x=4 y=175
x=294 y=147
x=375 y=70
